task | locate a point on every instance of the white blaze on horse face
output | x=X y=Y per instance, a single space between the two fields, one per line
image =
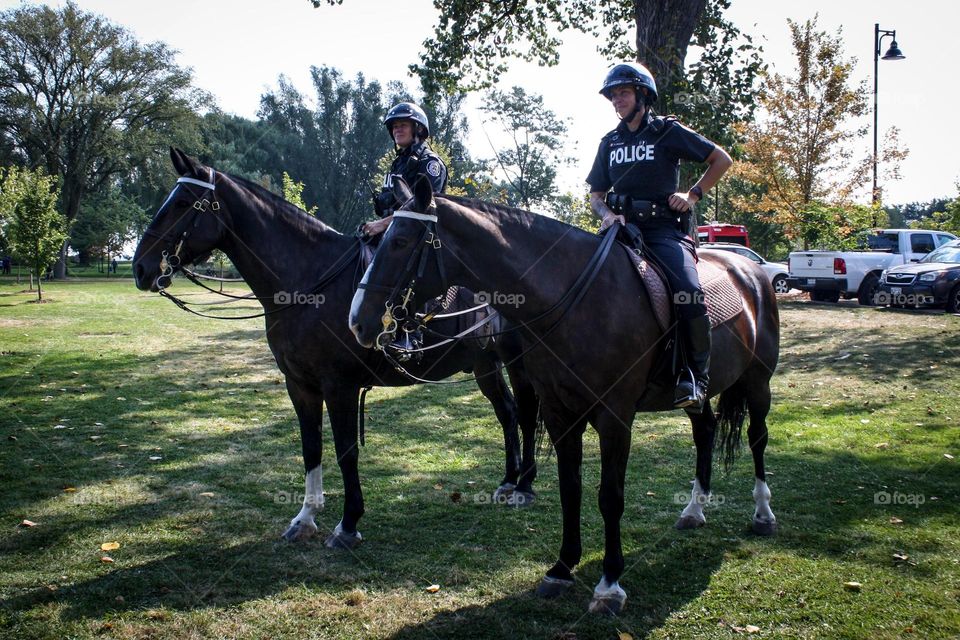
x=169 y=198
x=698 y=498
x=358 y=298
x=312 y=498
x=761 y=495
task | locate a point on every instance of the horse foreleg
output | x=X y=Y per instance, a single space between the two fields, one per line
x=704 y=431
x=342 y=405
x=495 y=390
x=614 y=431
x=568 y=442
x=527 y=407
x=308 y=404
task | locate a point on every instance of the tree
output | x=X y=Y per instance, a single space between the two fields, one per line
x=529 y=166
x=106 y=221
x=334 y=149
x=82 y=98
x=37 y=229
x=293 y=193
x=798 y=153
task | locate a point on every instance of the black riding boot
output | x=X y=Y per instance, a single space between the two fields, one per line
x=693 y=383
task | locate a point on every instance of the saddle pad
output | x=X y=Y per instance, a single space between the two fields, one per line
x=722 y=299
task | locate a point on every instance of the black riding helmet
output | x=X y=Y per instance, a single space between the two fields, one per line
x=408 y=111
x=631 y=74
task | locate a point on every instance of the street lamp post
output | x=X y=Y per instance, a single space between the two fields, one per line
x=893 y=53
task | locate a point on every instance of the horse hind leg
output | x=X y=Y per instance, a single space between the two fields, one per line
x=495 y=390
x=528 y=407
x=704 y=431
x=758 y=404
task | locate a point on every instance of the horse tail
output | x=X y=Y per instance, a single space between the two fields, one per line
x=543 y=447
x=731 y=412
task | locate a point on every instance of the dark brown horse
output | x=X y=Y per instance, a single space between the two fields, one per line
x=592 y=361
x=283 y=253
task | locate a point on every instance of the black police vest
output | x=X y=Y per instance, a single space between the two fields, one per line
x=645 y=164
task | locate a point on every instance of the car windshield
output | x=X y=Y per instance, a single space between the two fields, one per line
x=946 y=253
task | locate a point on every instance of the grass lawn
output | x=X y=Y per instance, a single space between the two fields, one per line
x=124 y=419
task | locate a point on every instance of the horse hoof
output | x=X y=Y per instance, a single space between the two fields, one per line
x=503 y=493
x=343 y=540
x=299 y=530
x=764 y=527
x=610 y=606
x=686 y=523
x=521 y=499
x=553 y=587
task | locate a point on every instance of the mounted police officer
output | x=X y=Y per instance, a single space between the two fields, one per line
x=635 y=178
x=409 y=128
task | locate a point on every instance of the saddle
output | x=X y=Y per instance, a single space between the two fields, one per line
x=722 y=299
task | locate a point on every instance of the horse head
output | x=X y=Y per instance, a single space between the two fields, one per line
x=186 y=228
x=406 y=270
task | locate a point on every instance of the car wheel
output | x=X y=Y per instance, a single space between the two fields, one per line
x=868 y=290
x=780 y=284
x=953 y=300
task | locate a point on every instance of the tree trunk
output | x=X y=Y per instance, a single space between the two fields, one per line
x=664 y=29
x=39 y=288
x=60 y=268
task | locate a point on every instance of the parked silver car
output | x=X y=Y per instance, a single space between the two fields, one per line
x=776 y=271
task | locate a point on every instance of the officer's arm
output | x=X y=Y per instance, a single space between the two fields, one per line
x=599 y=205
x=718 y=162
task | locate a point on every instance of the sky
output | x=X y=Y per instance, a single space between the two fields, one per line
x=238 y=48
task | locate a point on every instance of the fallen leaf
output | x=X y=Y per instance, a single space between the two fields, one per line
x=106 y=559
x=155 y=458
x=752 y=628
x=881 y=445
x=948 y=456
x=902 y=557
x=623 y=635
x=433 y=588
x=852 y=586
x=119 y=600
x=28 y=523
x=438 y=486
x=207 y=494
x=895 y=520
x=109 y=546
x=69 y=490
x=456 y=496
x=651 y=494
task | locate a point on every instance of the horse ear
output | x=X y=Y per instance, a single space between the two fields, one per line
x=401 y=190
x=177 y=157
x=184 y=164
x=423 y=192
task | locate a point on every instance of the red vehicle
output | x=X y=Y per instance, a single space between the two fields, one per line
x=716 y=232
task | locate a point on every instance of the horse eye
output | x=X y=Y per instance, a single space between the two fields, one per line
x=399 y=243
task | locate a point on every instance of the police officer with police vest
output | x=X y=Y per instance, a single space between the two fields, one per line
x=635 y=178
x=409 y=128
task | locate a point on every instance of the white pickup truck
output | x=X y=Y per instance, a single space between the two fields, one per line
x=828 y=275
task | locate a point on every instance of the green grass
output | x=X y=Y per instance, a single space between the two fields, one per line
x=865 y=401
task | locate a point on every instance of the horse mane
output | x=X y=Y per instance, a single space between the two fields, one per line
x=278 y=203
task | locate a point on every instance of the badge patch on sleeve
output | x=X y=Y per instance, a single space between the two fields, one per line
x=433 y=168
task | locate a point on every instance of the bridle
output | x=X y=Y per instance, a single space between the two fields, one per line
x=170 y=259
x=397 y=305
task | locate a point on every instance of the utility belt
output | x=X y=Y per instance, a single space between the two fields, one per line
x=638 y=211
